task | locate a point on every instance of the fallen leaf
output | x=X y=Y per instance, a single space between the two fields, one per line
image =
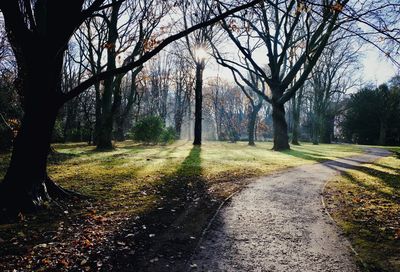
x=397 y=234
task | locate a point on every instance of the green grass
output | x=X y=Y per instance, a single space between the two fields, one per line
x=366 y=203
x=132 y=167
x=118 y=178
x=136 y=181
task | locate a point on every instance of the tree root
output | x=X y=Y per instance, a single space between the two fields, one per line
x=56 y=191
x=14 y=201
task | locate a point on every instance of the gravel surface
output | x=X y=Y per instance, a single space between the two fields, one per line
x=278 y=223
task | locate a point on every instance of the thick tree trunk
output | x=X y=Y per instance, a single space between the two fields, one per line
x=39 y=52
x=105 y=134
x=198 y=104
x=26 y=185
x=281 y=139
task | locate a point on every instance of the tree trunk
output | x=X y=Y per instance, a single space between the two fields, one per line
x=314 y=133
x=328 y=129
x=97 y=124
x=104 y=140
x=295 y=132
x=119 y=134
x=105 y=134
x=110 y=83
x=252 y=123
x=122 y=114
x=178 y=125
x=315 y=128
x=296 y=121
x=26 y=185
x=297 y=101
x=198 y=104
x=281 y=139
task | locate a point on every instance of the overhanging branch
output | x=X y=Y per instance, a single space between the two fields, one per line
x=103 y=75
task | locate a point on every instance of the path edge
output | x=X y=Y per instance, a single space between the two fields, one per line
x=324 y=206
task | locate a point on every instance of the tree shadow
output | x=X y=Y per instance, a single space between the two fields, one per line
x=369 y=211
x=60 y=157
x=387 y=167
x=173 y=228
x=184 y=207
x=374 y=163
x=389 y=179
x=305 y=155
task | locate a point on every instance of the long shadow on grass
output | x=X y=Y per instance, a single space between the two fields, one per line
x=305 y=155
x=60 y=157
x=164 y=238
x=375 y=163
x=375 y=246
x=390 y=180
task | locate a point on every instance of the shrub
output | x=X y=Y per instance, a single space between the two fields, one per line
x=58 y=134
x=168 y=136
x=148 y=130
x=151 y=129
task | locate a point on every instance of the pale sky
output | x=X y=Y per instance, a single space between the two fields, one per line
x=376 y=68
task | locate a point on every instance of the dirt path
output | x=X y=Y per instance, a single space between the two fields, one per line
x=278 y=223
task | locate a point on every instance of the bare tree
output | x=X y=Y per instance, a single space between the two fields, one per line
x=228 y=107
x=330 y=80
x=197 y=46
x=280 y=29
x=39 y=32
x=184 y=82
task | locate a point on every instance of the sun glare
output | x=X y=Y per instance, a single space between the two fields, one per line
x=200 y=53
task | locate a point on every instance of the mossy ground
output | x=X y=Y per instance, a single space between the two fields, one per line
x=120 y=177
x=137 y=192
x=365 y=202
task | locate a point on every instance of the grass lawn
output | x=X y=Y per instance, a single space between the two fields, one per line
x=365 y=202
x=136 y=193
x=117 y=177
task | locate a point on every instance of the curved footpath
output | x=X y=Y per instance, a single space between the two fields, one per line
x=278 y=223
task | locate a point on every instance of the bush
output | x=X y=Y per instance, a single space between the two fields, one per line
x=168 y=136
x=148 y=130
x=58 y=135
x=151 y=130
